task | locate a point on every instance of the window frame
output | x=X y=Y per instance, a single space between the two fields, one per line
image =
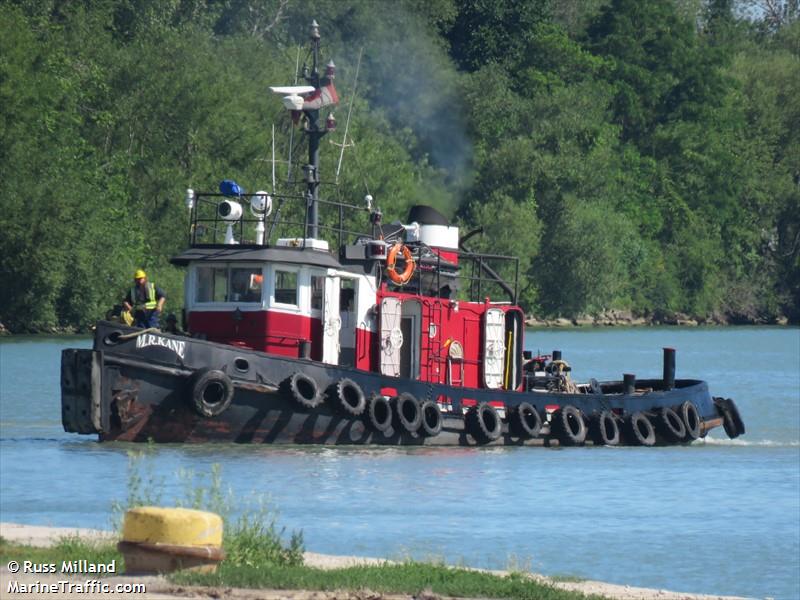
x=300 y=278
x=195 y=304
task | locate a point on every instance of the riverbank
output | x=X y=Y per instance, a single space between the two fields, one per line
x=625 y=318
x=18 y=537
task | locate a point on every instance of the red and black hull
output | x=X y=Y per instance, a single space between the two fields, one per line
x=130 y=390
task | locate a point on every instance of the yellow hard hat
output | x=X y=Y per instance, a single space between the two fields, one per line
x=140 y=274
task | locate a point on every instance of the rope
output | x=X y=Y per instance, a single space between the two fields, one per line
x=130 y=336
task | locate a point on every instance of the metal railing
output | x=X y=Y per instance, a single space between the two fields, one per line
x=475 y=276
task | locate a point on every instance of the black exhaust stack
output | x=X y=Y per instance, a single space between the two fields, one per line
x=669 y=368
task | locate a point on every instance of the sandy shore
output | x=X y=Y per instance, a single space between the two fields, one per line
x=158 y=588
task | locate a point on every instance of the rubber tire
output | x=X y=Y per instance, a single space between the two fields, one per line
x=304 y=390
x=634 y=424
x=670 y=425
x=484 y=423
x=731 y=419
x=200 y=384
x=404 y=416
x=737 y=418
x=348 y=397
x=599 y=430
x=563 y=419
x=432 y=422
x=379 y=413
x=520 y=418
x=691 y=420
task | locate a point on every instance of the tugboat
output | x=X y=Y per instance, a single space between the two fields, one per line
x=399 y=336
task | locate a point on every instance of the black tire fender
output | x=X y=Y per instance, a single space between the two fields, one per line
x=348 y=397
x=407 y=414
x=604 y=429
x=304 y=390
x=379 y=413
x=670 y=425
x=525 y=420
x=211 y=392
x=640 y=430
x=431 y=418
x=570 y=426
x=691 y=420
x=737 y=418
x=484 y=423
x=731 y=420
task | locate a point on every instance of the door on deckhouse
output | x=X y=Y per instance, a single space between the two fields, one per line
x=400 y=328
x=335 y=296
x=410 y=325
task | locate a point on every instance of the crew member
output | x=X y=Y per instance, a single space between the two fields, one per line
x=145 y=301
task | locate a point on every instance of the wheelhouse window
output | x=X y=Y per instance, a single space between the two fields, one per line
x=228 y=284
x=246 y=285
x=286 y=287
x=317 y=291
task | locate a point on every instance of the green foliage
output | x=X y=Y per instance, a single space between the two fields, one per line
x=251 y=535
x=652 y=146
x=410 y=578
x=67 y=549
x=258 y=544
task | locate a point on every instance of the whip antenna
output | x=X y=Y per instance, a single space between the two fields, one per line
x=273 y=158
x=349 y=112
x=291 y=130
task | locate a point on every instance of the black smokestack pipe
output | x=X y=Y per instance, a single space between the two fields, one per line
x=669 y=368
x=556 y=354
x=629 y=383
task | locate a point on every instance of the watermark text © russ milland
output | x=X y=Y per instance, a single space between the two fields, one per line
x=68 y=567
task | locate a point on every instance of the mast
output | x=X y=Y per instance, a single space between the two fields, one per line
x=309 y=100
x=315 y=131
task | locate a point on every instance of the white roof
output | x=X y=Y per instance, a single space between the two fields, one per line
x=292 y=89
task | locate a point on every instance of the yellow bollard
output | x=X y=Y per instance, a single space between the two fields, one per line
x=162 y=540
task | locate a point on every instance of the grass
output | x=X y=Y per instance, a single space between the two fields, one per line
x=65 y=549
x=261 y=571
x=406 y=578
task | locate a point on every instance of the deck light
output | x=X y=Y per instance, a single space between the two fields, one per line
x=190 y=198
x=261 y=207
x=261 y=204
x=229 y=210
x=314 y=30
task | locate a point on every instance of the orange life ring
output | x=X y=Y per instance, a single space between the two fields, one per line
x=404 y=277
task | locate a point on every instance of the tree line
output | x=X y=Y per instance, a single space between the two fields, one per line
x=639 y=156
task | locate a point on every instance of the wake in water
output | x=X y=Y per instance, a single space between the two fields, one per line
x=712 y=441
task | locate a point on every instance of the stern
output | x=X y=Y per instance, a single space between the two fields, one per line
x=81 y=379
